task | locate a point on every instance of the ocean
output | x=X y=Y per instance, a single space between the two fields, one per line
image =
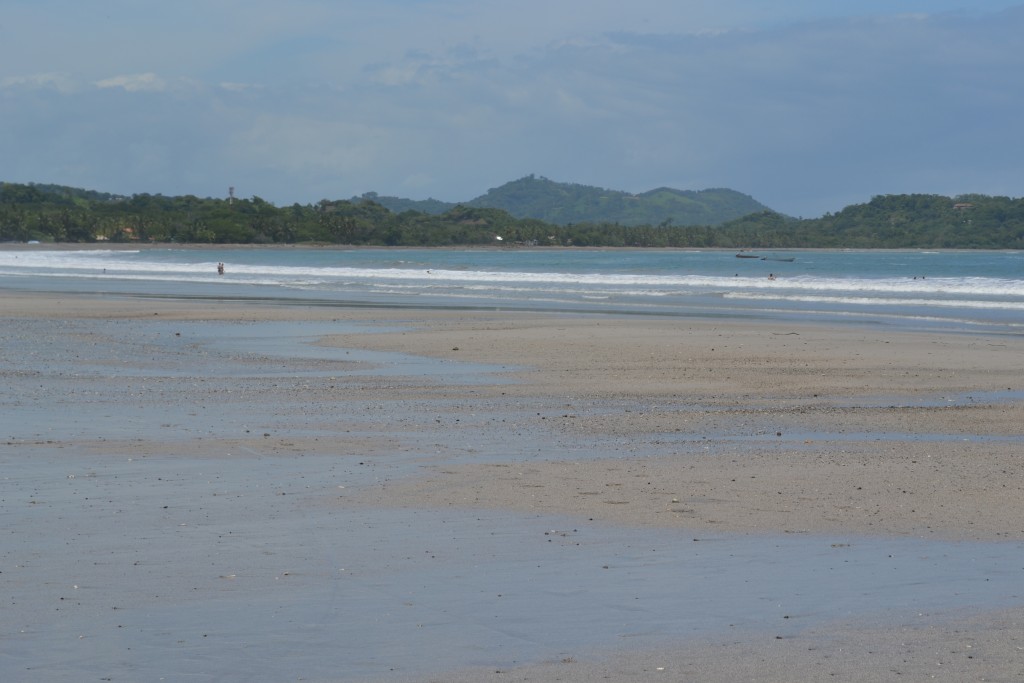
x=962 y=290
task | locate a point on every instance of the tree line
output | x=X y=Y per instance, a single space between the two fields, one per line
x=49 y=213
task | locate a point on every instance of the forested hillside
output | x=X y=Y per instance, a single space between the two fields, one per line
x=568 y=203
x=50 y=213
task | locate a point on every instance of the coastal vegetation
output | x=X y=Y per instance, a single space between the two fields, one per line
x=53 y=213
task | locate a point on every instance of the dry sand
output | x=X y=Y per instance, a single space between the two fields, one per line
x=702 y=426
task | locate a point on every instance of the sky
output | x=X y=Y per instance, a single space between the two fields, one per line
x=806 y=105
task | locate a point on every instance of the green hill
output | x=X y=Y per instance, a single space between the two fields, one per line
x=568 y=203
x=565 y=203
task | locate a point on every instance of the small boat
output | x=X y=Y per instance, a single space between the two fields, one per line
x=784 y=260
x=742 y=255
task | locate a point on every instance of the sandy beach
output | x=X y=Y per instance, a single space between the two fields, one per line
x=692 y=429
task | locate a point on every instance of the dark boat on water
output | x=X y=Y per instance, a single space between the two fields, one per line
x=742 y=255
x=785 y=260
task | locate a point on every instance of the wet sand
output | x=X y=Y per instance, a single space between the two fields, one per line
x=750 y=427
x=196 y=420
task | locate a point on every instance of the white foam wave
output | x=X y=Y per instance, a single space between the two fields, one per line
x=128 y=262
x=876 y=301
x=639 y=288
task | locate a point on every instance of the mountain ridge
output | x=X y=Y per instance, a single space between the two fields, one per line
x=569 y=203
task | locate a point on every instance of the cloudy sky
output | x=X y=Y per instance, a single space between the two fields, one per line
x=807 y=105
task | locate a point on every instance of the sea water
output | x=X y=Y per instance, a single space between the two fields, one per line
x=959 y=289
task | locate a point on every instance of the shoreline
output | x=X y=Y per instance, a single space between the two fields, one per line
x=873 y=288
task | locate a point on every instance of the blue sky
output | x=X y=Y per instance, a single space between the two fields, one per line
x=807 y=105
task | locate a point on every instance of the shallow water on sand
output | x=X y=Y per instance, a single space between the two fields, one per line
x=215 y=558
x=249 y=569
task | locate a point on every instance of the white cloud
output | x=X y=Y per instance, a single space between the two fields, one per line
x=147 y=82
